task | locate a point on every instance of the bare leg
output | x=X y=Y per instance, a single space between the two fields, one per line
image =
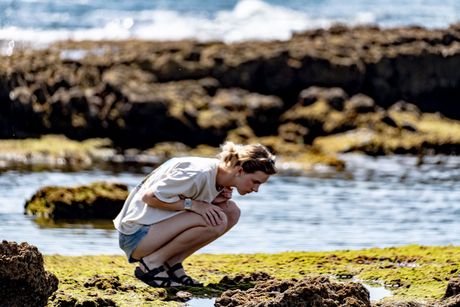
x=175 y=235
x=232 y=212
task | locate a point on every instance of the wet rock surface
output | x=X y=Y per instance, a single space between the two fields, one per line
x=310 y=291
x=100 y=200
x=23 y=279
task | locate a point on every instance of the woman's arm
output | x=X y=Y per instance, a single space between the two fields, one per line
x=212 y=214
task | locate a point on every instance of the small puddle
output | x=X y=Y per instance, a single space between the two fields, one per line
x=376 y=293
x=201 y=302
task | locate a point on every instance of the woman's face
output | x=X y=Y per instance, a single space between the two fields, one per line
x=249 y=182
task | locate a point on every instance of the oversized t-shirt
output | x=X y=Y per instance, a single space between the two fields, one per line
x=178 y=178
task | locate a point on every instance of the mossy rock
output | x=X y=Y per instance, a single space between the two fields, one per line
x=99 y=200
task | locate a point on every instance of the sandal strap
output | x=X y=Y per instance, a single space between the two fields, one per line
x=152 y=272
x=174 y=268
x=150 y=277
x=188 y=281
x=184 y=279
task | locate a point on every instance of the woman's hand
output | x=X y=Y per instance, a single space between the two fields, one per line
x=224 y=196
x=213 y=215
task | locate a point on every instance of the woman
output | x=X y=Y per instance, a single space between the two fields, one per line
x=184 y=205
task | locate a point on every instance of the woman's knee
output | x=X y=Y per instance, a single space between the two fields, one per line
x=233 y=213
x=219 y=229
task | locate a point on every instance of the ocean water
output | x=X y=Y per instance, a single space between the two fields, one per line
x=376 y=202
x=43 y=21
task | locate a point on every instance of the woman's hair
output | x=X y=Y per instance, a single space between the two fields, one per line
x=251 y=158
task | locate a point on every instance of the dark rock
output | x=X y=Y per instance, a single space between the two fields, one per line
x=334 y=96
x=99 y=200
x=23 y=279
x=263 y=113
x=388 y=120
x=319 y=291
x=453 y=288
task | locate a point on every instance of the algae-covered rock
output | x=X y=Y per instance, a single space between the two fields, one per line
x=23 y=279
x=99 y=200
x=310 y=291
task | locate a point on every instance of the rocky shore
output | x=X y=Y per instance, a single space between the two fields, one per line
x=416 y=276
x=366 y=88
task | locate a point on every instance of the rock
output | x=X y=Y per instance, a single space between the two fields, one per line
x=23 y=279
x=293 y=133
x=139 y=93
x=453 y=288
x=263 y=113
x=99 y=200
x=453 y=301
x=317 y=291
x=334 y=96
x=360 y=104
x=183 y=296
x=402 y=106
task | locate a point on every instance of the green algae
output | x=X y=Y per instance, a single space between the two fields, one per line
x=410 y=272
x=97 y=200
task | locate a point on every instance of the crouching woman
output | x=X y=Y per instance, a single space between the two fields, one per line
x=185 y=204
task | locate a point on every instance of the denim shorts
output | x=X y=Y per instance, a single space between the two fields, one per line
x=129 y=242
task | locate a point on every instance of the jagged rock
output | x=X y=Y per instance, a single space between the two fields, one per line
x=139 y=93
x=23 y=279
x=99 y=200
x=318 y=291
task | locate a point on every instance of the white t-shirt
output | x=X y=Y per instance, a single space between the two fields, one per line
x=178 y=178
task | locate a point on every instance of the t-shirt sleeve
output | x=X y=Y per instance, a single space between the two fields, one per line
x=178 y=183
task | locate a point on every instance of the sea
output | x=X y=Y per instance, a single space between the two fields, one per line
x=40 y=22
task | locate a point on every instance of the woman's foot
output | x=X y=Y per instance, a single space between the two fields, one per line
x=155 y=277
x=177 y=274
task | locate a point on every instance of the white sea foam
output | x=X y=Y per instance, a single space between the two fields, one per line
x=247 y=20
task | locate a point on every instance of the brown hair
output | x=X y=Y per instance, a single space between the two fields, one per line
x=251 y=158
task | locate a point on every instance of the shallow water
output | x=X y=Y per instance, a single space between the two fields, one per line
x=376 y=202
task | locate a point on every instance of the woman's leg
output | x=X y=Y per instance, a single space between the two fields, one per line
x=232 y=212
x=181 y=234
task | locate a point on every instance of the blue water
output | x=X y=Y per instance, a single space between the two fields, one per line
x=44 y=21
x=376 y=202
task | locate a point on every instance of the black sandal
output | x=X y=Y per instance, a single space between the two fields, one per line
x=184 y=279
x=150 y=277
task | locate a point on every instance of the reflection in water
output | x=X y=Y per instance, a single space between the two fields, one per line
x=376 y=202
x=201 y=302
x=76 y=224
x=377 y=293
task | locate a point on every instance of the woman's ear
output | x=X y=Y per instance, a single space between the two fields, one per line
x=238 y=170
